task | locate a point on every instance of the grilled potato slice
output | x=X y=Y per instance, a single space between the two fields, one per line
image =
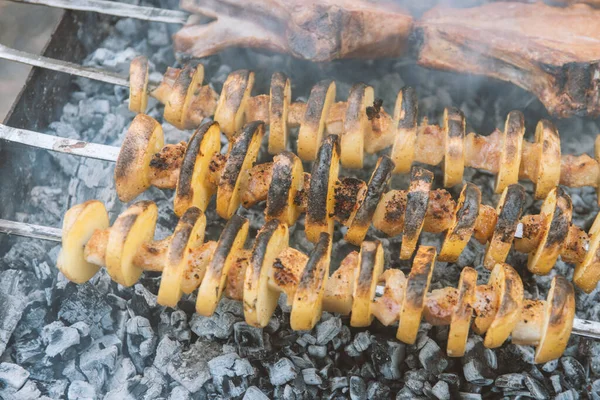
x=548 y=169
x=232 y=240
x=405 y=123
x=193 y=187
x=310 y=135
x=132 y=171
x=587 y=272
x=188 y=234
x=356 y=125
x=79 y=224
x=134 y=227
x=359 y=225
x=138 y=84
x=233 y=101
x=196 y=268
x=417 y=286
x=559 y=313
x=509 y=302
x=287 y=179
x=260 y=300
x=286 y=272
x=279 y=105
x=241 y=157
x=453 y=127
x=511 y=145
x=557 y=211
x=181 y=96
x=308 y=299
x=416 y=207
x=339 y=292
x=509 y=210
x=462 y=313
x=462 y=229
x=321 y=193
x=370 y=268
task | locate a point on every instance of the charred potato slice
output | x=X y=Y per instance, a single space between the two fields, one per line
x=321 y=193
x=193 y=187
x=287 y=179
x=557 y=211
x=587 y=272
x=188 y=234
x=417 y=286
x=131 y=230
x=359 y=225
x=182 y=95
x=79 y=224
x=232 y=240
x=405 y=123
x=511 y=145
x=279 y=105
x=509 y=302
x=138 y=84
x=462 y=313
x=548 y=170
x=260 y=300
x=356 y=125
x=416 y=207
x=339 y=291
x=308 y=299
x=310 y=135
x=509 y=210
x=453 y=128
x=559 y=313
x=462 y=229
x=144 y=138
x=241 y=157
x=370 y=268
x=232 y=104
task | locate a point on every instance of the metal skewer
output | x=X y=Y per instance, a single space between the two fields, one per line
x=116 y=9
x=581 y=327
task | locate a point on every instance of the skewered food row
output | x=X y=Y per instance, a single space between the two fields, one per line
x=504 y=153
x=258 y=277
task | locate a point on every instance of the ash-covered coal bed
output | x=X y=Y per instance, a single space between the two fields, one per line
x=99 y=340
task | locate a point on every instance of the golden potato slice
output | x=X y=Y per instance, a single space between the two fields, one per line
x=370 y=268
x=138 y=84
x=453 y=130
x=310 y=135
x=356 y=125
x=134 y=227
x=193 y=186
x=286 y=272
x=339 y=292
x=548 y=169
x=181 y=96
x=321 y=193
x=417 y=201
x=279 y=105
x=260 y=300
x=188 y=234
x=287 y=179
x=405 y=123
x=557 y=211
x=144 y=138
x=236 y=275
x=462 y=313
x=558 y=320
x=242 y=155
x=509 y=296
x=511 y=146
x=509 y=210
x=308 y=299
x=417 y=286
x=587 y=272
x=378 y=184
x=230 y=242
x=467 y=210
x=232 y=104
x=79 y=224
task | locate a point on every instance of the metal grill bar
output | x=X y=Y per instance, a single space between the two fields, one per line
x=116 y=9
x=30 y=230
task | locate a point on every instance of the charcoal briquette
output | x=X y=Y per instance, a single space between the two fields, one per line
x=254 y=393
x=81 y=390
x=327 y=330
x=311 y=377
x=282 y=372
x=358 y=388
